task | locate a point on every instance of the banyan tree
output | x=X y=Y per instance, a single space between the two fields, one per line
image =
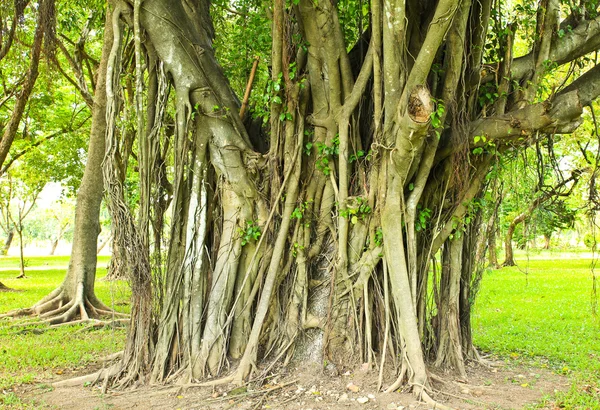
x=348 y=222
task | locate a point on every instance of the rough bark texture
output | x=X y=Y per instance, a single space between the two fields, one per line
x=308 y=237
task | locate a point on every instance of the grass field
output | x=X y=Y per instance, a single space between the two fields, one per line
x=540 y=314
x=540 y=319
x=26 y=357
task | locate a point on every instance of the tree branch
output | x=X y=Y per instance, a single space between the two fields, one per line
x=560 y=115
x=582 y=40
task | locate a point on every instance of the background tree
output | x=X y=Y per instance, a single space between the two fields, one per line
x=53 y=224
x=17 y=198
x=74 y=299
x=44 y=35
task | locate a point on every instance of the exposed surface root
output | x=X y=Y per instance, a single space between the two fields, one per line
x=34 y=326
x=60 y=308
x=96 y=377
x=431 y=402
x=4 y=288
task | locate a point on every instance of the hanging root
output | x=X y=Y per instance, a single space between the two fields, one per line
x=59 y=308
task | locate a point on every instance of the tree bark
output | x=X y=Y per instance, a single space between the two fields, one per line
x=75 y=299
x=9 y=239
x=262 y=248
x=21 y=253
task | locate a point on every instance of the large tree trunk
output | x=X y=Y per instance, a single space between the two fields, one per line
x=263 y=248
x=75 y=299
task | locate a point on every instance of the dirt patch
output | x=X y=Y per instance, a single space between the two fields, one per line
x=497 y=387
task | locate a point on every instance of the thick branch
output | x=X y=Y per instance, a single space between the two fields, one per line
x=562 y=114
x=582 y=40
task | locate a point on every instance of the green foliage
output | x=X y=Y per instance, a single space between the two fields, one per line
x=326 y=153
x=296 y=248
x=357 y=210
x=437 y=114
x=243 y=33
x=299 y=212
x=591 y=241
x=379 y=237
x=354 y=17
x=422 y=219
x=251 y=233
x=488 y=94
x=356 y=156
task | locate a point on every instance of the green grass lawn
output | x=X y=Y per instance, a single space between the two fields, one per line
x=33 y=358
x=543 y=318
x=540 y=319
x=41 y=262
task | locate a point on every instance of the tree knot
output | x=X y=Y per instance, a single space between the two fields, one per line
x=420 y=104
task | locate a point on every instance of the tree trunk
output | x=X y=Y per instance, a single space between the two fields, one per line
x=509 y=259
x=75 y=299
x=262 y=248
x=492 y=250
x=21 y=253
x=103 y=244
x=547 y=238
x=450 y=349
x=53 y=247
x=4 y=288
x=9 y=239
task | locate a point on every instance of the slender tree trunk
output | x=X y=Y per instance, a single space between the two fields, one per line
x=21 y=253
x=450 y=347
x=103 y=244
x=9 y=239
x=53 y=247
x=547 y=238
x=492 y=250
x=509 y=259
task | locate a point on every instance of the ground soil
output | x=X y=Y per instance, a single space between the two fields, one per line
x=500 y=386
